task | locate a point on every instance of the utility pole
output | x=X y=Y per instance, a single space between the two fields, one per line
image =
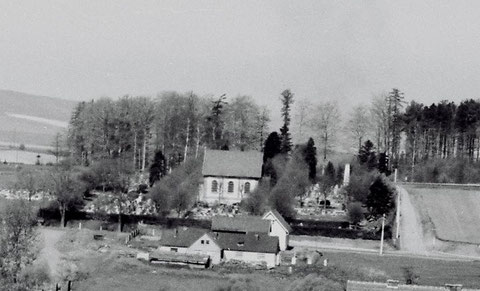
x=383 y=233
x=397 y=232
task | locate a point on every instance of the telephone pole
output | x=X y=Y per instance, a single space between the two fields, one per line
x=383 y=233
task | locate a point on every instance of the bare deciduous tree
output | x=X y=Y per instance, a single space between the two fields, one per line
x=303 y=112
x=325 y=123
x=358 y=126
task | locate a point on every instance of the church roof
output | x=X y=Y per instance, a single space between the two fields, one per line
x=232 y=164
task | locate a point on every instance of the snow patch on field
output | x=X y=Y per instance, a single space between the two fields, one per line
x=52 y=122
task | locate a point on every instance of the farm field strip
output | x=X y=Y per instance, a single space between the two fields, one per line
x=454 y=213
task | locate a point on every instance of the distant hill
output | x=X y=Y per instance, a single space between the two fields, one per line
x=31 y=119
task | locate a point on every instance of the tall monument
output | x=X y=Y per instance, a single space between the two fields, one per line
x=346 y=175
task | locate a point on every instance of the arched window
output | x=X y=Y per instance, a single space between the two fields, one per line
x=230 y=187
x=214 y=186
x=247 y=187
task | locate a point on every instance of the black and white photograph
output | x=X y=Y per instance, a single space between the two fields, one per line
x=226 y=145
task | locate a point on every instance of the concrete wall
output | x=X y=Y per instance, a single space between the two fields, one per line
x=249 y=257
x=222 y=195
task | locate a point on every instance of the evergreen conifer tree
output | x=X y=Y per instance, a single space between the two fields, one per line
x=310 y=154
x=271 y=149
x=158 y=168
x=286 y=142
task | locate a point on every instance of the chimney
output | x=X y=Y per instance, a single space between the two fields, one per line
x=454 y=287
x=175 y=232
x=257 y=236
x=392 y=284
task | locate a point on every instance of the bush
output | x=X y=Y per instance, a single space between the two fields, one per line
x=314 y=282
x=35 y=276
x=255 y=203
x=241 y=284
x=360 y=181
x=355 y=212
x=445 y=171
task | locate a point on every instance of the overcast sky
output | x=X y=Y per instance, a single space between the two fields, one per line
x=343 y=50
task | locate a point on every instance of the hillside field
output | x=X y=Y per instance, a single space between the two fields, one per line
x=453 y=211
x=25 y=157
x=31 y=119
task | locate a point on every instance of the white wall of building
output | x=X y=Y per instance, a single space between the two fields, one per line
x=172 y=249
x=277 y=230
x=250 y=257
x=208 y=247
x=222 y=195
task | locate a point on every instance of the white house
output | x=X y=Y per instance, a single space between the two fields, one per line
x=191 y=241
x=254 y=248
x=229 y=175
x=272 y=223
x=278 y=227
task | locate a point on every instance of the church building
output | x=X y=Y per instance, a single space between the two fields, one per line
x=228 y=176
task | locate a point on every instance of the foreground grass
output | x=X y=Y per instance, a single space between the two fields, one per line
x=423 y=271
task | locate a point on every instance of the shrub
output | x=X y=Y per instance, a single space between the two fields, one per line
x=314 y=282
x=240 y=284
x=255 y=203
x=35 y=276
x=355 y=212
x=445 y=171
x=360 y=181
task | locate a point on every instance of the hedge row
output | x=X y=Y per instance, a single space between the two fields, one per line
x=318 y=223
x=337 y=229
x=341 y=232
x=52 y=215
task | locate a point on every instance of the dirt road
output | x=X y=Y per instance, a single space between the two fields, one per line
x=411 y=233
x=49 y=253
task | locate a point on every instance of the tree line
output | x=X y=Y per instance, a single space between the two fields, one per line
x=177 y=124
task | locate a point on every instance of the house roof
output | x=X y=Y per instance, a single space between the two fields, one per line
x=232 y=164
x=280 y=219
x=181 y=237
x=376 y=286
x=240 y=224
x=247 y=242
x=250 y=242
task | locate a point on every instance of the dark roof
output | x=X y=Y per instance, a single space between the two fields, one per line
x=375 y=286
x=181 y=237
x=240 y=224
x=247 y=242
x=250 y=242
x=232 y=164
x=280 y=219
